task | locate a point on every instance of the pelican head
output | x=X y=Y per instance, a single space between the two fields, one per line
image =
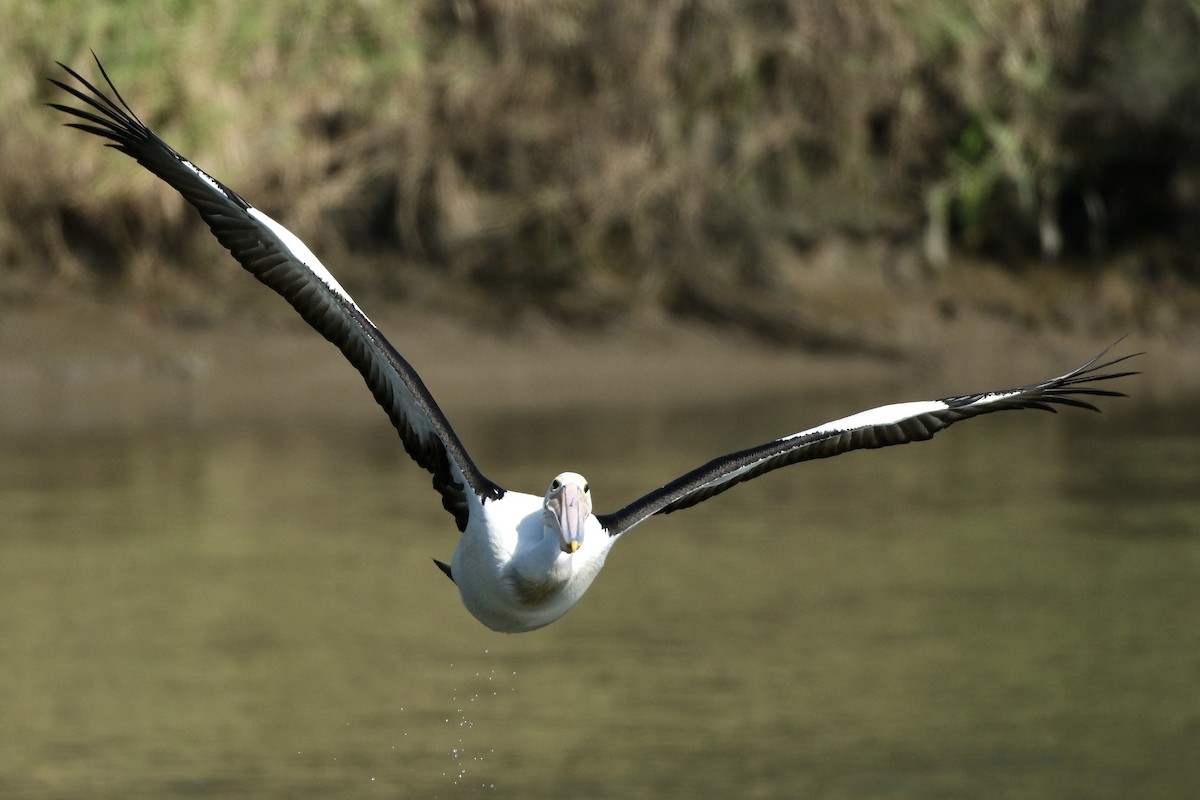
x=567 y=507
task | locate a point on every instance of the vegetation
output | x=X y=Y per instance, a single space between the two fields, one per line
x=681 y=154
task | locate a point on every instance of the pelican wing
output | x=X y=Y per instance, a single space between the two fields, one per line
x=274 y=255
x=900 y=423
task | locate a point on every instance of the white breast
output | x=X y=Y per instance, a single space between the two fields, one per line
x=500 y=536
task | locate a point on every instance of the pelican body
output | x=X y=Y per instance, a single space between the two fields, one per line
x=530 y=558
x=522 y=560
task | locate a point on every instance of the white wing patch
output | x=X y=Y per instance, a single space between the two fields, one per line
x=993 y=397
x=204 y=176
x=297 y=248
x=302 y=254
x=884 y=415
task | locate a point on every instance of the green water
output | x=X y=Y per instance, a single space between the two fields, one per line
x=1010 y=610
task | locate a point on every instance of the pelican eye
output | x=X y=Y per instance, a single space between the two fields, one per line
x=586 y=488
x=555 y=485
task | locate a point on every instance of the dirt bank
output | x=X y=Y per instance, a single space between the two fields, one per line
x=75 y=363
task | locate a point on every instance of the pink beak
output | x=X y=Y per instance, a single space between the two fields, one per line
x=568 y=507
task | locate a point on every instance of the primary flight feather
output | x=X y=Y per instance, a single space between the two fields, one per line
x=522 y=560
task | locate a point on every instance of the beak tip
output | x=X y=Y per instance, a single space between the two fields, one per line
x=572 y=546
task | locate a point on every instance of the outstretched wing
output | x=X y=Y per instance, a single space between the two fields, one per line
x=276 y=257
x=900 y=423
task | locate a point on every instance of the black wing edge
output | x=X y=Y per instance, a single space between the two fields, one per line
x=125 y=130
x=704 y=482
x=346 y=327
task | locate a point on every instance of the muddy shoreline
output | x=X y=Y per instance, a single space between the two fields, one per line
x=72 y=363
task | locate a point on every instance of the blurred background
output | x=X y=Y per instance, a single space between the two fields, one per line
x=766 y=165
x=622 y=238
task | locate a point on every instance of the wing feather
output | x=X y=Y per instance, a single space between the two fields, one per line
x=885 y=426
x=277 y=258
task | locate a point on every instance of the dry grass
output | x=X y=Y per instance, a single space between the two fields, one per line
x=670 y=154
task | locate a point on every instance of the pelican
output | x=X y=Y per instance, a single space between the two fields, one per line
x=522 y=560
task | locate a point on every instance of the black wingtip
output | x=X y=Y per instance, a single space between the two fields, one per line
x=446 y=569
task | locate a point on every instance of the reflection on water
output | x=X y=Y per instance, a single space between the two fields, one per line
x=1008 y=611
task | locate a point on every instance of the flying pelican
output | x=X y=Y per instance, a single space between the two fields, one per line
x=522 y=560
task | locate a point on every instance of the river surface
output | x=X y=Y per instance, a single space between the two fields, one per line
x=1009 y=611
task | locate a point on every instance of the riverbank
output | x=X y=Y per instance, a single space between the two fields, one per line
x=674 y=155
x=82 y=363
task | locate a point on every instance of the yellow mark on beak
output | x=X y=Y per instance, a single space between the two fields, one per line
x=573 y=546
